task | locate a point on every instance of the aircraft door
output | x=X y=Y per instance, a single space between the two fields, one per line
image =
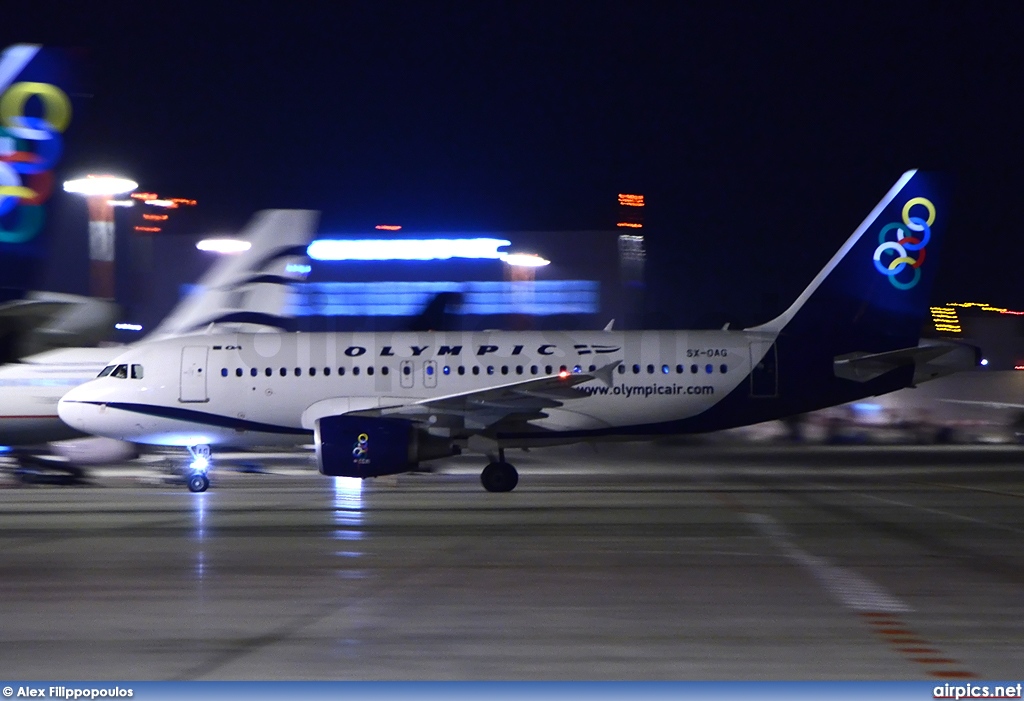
x=193 y=374
x=764 y=371
x=430 y=373
x=406 y=372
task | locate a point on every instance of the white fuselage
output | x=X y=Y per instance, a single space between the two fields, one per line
x=30 y=390
x=269 y=388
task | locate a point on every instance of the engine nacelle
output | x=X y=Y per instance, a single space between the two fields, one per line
x=361 y=446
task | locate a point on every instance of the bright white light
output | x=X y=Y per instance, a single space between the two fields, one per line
x=161 y=203
x=128 y=327
x=121 y=203
x=200 y=464
x=405 y=249
x=984 y=361
x=227 y=246
x=298 y=268
x=525 y=260
x=100 y=185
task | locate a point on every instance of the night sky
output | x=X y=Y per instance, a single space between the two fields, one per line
x=761 y=134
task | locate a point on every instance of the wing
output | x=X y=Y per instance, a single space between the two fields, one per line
x=485 y=409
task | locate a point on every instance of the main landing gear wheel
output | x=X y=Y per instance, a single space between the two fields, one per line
x=499 y=477
x=198 y=482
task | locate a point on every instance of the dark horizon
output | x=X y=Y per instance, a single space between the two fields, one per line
x=760 y=136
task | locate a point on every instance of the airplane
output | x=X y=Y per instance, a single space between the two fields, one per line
x=254 y=279
x=381 y=403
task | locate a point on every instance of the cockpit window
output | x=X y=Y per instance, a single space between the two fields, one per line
x=136 y=372
x=106 y=371
x=120 y=372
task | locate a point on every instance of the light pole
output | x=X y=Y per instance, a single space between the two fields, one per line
x=97 y=190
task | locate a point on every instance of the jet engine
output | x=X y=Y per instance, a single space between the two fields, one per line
x=362 y=446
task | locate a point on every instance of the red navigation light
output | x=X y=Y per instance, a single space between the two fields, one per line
x=387 y=227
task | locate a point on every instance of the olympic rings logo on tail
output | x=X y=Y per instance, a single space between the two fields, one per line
x=912 y=235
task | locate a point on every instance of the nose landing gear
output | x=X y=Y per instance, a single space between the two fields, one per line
x=198 y=480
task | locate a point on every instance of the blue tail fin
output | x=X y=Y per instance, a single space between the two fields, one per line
x=873 y=296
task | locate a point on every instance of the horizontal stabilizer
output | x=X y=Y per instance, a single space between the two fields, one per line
x=940 y=357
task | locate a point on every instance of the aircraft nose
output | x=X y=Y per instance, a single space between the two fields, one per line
x=74 y=412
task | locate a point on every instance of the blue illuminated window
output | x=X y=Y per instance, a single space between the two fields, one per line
x=577 y=369
x=430 y=370
x=709 y=368
x=664 y=369
x=490 y=369
x=447 y=370
x=223 y=372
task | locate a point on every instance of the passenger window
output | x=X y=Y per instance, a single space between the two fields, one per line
x=341 y=372
x=650 y=369
x=636 y=369
x=284 y=372
x=369 y=370
x=622 y=369
x=709 y=368
x=446 y=370
x=136 y=372
x=664 y=369
x=592 y=368
x=504 y=369
x=252 y=372
x=120 y=372
x=268 y=372
x=577 y=369
x=327 y=372
x=534 y=369
x=562 y=369
x=384 y=370
x=462 y=370
x=548 y=369
x=355 y=370
x=476 y=369
x=519 y=369
x=298 y=372
x=223 y=372
x=680 y=369
x=406 y=370
x=312 y=372
x=110 y=368
x=430 y=369
x=693 y=368
x=724 y=368
x=490 y=369
x=238 y=372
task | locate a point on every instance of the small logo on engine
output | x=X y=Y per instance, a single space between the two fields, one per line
x=361 y=450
